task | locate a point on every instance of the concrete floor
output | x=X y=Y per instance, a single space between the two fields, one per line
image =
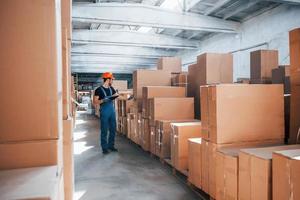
x=129 y=174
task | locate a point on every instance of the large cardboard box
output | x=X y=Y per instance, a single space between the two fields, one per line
x=30 y=154
x=152 y=139
x=68 y=159
x=261 y=64
x=32 y=183
x=139 y=129
x=181 y=132
x=143 y=78
x=286 y=174
x=180 y=80
x=164 y=135
x=294 y=115
x=194 y=161
x=255 y=172
x=66 y=73
x=281 y=75
x=257 y=112
x=211 y=68
x=33 y=63
x=146 y=135
x=227 y=168
x=171 y=109
x=172 y=64
x=294 y=37
x=159 y=91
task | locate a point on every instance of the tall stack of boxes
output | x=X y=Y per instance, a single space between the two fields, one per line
x=211 y=68
x=38 y=83
x=295 y=86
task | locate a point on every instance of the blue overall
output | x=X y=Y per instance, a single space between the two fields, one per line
x=107 y=121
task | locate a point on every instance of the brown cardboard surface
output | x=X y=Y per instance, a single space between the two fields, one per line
x=143 y=78
x=139 y=129
x=172 y=64
x=31 y=183
x=159 y=91
x=286 y=174
x=146 y=134
x=255 y=175
x=227 y=167
x=256 y=110
x=181 y=133
x=211 y=68
x=30 y=154
x=281 y=75
x=68 y=159
x=205 y=166
x=171 y=109
x=294 y=42
x=38 y=105
x=262 y=62
x=194 y=161
x=66 y=74
x=120 y=85
x=294 y=114
x=152 y=139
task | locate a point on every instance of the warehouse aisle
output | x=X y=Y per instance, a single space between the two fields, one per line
x=129 y=174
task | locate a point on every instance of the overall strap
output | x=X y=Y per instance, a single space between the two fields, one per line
x=110 y=91
x=105 y=95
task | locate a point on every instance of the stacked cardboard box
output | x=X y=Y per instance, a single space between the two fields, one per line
x=255 y=172
x=163 y=136
x=286 y=176
x=41 y=183
x=171 y=64
x=255 y=118
x=159 y=91
x=31 y=136
x=145 y=134
x=194 y=161
x=180 y=134
x=120 y=85
x=210 y=68
x=262 y=62
x=143 y=78
x=227 y=167
x=295 y=86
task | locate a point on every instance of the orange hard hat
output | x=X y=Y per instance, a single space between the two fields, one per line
x=108 y=75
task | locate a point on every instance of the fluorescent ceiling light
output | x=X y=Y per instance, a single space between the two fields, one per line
x=144 y=29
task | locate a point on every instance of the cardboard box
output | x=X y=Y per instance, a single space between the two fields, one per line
x=152 y=139
x=66 y=73
x=143 y=78
x=30 y=154
x=255 y=174
x=171 y=109
x=37 y=107
x=294 y=115
x=294 y=42
x=211 y=68
x=227 y=168
x=159 y=91
x=120 y=85
x=261 y=64
x=287 y=107
x=68 y=159
x=157 y=138
x=286 y=174
x=32 y=183
x=281 y=75
x=194 y=161
x=256 y=110
x=164 y=136
x=172 y=64
x=129 y=118
x=205 y=166
x=146 y=135
x=139 y=129
x=180 y=80
x=181 y=132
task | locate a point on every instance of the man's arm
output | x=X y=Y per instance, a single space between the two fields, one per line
x=96 y=100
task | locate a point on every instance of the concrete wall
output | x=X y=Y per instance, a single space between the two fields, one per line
x=266 y=31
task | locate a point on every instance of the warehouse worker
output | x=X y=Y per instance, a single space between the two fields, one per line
x=105 y=95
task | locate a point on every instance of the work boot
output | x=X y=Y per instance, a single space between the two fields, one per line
x=105 y=152
x=113 y=149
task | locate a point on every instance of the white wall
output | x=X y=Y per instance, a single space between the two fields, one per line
x=269 y=30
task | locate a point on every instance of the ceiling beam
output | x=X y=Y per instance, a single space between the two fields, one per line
x=292 y=2
x=150 y=16
x=119 y=60
x=217 y=6
x=244 y=6
x=115 y=68
x=131 y=38
x=127 y=51
x=191 y=4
